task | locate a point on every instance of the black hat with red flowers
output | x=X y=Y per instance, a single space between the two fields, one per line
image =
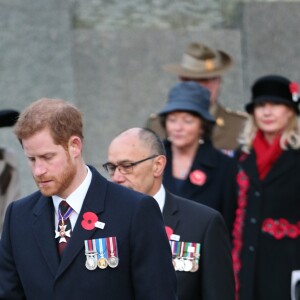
x=275 y=89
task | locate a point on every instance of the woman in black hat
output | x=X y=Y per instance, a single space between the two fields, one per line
x=266 y=234
x=195 y=169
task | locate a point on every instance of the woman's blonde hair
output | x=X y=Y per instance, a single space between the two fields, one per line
x=290 y=136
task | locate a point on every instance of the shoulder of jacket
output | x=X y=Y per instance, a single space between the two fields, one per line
x=236 y=112
x=153 y=116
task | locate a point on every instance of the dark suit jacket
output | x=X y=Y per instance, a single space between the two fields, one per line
x=30 y=266
x=218 y=191
x=198 y=223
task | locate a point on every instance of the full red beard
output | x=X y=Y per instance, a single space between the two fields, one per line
x=58 y=183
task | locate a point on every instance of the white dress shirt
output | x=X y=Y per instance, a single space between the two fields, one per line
x=160 y=197
x=75 y=200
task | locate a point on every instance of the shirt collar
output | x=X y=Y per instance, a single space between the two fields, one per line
x=75 y=200
x=160 y=197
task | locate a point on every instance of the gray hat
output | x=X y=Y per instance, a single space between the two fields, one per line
x=189 y=96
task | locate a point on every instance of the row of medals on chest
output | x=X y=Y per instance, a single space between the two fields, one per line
x=186 y=264
x=92 y=260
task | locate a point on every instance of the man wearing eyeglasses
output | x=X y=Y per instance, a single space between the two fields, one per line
x=198 y=236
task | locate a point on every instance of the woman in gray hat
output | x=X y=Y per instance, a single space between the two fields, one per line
x=195 y=169
x=266 y=235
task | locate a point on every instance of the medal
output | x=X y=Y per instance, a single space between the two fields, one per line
x=195 y=266
x=101 y=249
x=188 y=265
x=113 y=259
x=91 y=261
x=196 y=257
x=179 y=264
x=180 y=261
x=91 y=255
x=63 y=233
x=102 y=263
x=188 y=255
x=175 y=247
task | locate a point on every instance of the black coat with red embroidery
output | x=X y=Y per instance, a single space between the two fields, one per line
x=267 y=249
x=216 y=186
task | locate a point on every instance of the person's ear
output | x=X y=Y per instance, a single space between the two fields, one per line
x=159 y=165
x=75 y=146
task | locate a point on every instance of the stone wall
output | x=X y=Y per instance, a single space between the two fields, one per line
x=107 y=56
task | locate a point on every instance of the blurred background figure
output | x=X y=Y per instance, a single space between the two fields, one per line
x=198 y=236
x=9 y=179
x=266 y=242
x=206 y=67
x=195 y=169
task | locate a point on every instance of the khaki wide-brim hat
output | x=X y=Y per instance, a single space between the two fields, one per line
x=200 y=61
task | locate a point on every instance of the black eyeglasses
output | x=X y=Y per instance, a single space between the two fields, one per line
x=124 y=168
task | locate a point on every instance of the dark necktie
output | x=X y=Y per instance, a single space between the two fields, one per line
x=64 y=225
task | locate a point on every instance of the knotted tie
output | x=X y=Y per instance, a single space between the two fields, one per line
x=64 y=226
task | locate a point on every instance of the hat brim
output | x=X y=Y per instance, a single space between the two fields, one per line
x=8 y=117
x=172 y=107
x=278 y=100
x=178 y=70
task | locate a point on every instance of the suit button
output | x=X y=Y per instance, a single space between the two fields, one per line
x=257 y=194
x=253 y=220
x=251 y=248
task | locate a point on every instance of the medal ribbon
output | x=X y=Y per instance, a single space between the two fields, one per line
x=101 y=247
x=188 y=253
x=89 y=247
x=181 y=249
x=64 y=217
x=197 y=252
x=175 y=246
x=111 y=244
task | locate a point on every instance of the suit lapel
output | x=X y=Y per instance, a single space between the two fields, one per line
x=44 y=232
x=170 y=212
x=93 y=202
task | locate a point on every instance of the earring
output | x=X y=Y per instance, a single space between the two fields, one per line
x=201 y=141
x=169 y=139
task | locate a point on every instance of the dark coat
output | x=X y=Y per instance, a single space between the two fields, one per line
x=30 y=266
x=218 y=190
x=267 y=262
x=194 y=222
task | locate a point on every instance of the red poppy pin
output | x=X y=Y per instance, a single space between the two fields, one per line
x=169 y=231
x=198 y=177
x=294 y=89
x=90 y=221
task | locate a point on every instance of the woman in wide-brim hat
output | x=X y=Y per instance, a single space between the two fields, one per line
x=266 y=235
x=195 y=169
